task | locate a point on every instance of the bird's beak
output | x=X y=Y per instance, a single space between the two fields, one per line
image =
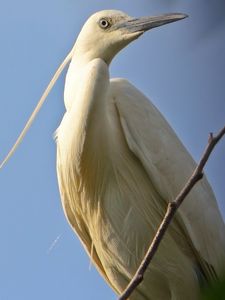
x=140 y=25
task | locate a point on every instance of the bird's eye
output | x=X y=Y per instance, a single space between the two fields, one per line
x=103 y=23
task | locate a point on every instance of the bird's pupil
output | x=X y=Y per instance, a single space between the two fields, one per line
x=104 y=23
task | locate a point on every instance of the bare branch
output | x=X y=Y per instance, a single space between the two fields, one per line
x=171 y=210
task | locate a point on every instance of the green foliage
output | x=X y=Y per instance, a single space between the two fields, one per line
x=215 y=292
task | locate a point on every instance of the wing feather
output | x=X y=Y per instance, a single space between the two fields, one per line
x=169 y=165
x=79 y=226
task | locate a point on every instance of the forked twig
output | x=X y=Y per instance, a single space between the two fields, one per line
x=171 y=210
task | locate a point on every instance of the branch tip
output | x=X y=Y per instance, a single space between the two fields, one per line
x=210 y=137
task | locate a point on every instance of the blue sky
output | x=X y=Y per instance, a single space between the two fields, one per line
x=179 y=66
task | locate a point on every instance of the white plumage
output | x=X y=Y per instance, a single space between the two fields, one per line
x=119 y=163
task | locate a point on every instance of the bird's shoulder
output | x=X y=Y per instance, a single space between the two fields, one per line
x=122 y=87
x=131 y=100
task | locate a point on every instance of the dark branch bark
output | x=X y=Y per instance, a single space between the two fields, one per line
x=171 y=210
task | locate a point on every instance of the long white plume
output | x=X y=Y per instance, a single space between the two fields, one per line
x=37 y=108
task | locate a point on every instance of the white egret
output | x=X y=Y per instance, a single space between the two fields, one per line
x=119 y=163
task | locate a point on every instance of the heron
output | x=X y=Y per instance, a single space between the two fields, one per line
x=119 y=163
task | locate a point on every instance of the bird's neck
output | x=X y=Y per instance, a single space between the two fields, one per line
x=86 y=91
x=80 y=62
x=82 y=137
x=77 y=72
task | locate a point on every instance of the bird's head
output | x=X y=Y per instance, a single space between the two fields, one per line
x=107 y=32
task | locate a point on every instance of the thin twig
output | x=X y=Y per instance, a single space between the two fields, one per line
x=171 y=210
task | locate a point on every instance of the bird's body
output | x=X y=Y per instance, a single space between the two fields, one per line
x=119 y=163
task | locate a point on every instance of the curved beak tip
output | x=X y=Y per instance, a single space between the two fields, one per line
x=184 y=16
